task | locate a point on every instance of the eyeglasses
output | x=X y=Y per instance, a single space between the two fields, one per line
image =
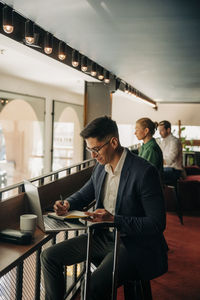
x=96 y=150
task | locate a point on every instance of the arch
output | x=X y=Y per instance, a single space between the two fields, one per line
x=68 y=145
x=23 y=140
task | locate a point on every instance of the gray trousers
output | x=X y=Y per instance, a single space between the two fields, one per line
x=74 y=251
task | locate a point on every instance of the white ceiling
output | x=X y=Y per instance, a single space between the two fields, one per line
x=151 y=44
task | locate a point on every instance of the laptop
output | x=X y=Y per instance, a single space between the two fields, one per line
x=45 y=223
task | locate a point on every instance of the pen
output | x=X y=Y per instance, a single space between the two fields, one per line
x=61 y=200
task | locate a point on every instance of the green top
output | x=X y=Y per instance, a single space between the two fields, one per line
x=152 y=152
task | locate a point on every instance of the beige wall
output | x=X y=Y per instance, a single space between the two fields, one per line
x=126 y=111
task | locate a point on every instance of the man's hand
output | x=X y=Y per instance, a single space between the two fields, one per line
x=100 y=215
x=61 y=207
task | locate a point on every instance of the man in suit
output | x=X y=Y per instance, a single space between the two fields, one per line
x=127 y=192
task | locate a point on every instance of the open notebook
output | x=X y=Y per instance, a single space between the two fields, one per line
x=74 y=214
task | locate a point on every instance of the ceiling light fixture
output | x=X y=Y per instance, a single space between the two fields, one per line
x=107 y=77
x=62 y=51
x=31 y=38
x=100 y=74
x=29 y=32
x=8 y=19
x=84 y=63
x=126 y=88
x=136 y=93
x=94 y=69
x=48 y=43
x=75 y=58
x=145 y=101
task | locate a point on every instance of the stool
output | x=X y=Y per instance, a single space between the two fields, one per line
x=176 y=197
x=133 y=289
x=137 y=290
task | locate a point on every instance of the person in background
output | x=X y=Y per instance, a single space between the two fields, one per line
x=172 y=154
x=150 y=150
x=128 y=192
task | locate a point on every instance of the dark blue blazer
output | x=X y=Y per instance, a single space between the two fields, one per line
x=139 y=213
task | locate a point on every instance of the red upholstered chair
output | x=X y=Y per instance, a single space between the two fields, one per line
x=192 y=170
x=189 y=191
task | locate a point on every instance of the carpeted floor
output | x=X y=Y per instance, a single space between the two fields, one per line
x=182 y=281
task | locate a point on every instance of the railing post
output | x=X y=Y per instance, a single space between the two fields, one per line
x=19 y=281
x=68 y=171
x=37 y=275
x=78 y=168
x=41 y=181
x=55 y=176
x=21 y=188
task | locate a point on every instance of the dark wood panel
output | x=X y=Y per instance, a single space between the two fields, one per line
x=66 y=186
x=193 y=143
x=10 y=210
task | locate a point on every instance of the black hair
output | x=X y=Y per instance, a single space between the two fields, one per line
x=100 y=128
x=147 y=123
x=165 y=123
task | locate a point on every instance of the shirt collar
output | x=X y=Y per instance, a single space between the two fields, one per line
x=119 y=166
x=151 y=141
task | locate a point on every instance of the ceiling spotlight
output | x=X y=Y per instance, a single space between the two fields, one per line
x=75 y=58
x=100 y=74
x=62 y=51
x=29 y=32
x=84 y=63
x=129 y=90
x=8 y=19
x=107 y=77
x=94 y=69
x=48 y=43
x=126 y=88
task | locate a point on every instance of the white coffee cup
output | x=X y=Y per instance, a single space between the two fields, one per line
x=28 y=223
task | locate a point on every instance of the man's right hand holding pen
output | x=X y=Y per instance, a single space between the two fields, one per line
x=61 y=207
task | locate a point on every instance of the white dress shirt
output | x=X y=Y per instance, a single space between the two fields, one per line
x=112 y=183
x=172 y=152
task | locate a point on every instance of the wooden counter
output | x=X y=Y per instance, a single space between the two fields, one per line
x=12 y=254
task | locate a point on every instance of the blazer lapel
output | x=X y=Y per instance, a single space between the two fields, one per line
x=99 y=187
x=122 y=184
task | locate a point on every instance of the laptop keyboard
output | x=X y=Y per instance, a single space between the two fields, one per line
x=54 y=224
x=57 y=225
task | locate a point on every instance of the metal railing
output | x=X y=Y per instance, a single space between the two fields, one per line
x=52 y=176
x=26 y=277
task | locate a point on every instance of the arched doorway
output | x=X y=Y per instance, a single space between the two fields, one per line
x=67 y=143
x=23 y=135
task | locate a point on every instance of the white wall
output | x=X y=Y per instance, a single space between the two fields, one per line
x=126 y=111
x=17 y=85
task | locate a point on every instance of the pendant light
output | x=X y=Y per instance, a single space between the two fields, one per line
x=84 y=63
x=100 y=73
x=94 y=69
x=48 y=43
x=8 y=19
x=75 y=58
x=107 y=77
x=29 y=32
x=62 y=51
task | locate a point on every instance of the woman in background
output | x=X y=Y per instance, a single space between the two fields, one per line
x=150 y=150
